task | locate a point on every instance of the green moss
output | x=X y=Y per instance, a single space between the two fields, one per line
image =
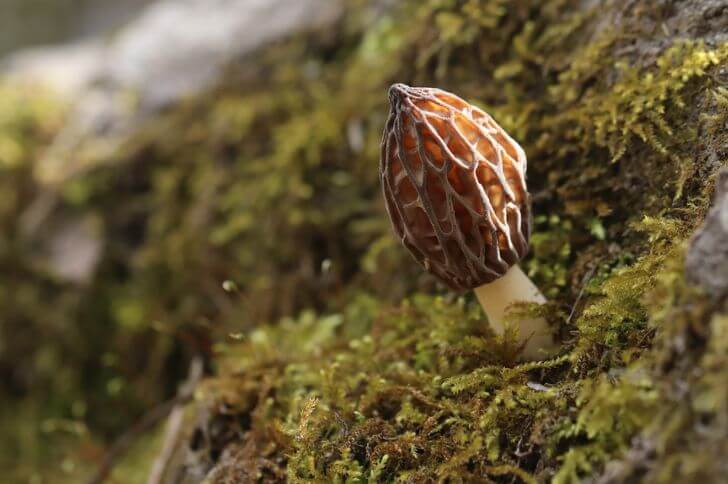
x=336 y=359
x=426 y=391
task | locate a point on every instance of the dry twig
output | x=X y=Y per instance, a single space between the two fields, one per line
x=147 y=422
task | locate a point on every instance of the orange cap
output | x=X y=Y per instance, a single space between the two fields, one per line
x=454 y=185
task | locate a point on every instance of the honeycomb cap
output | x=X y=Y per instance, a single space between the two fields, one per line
x=454 y=185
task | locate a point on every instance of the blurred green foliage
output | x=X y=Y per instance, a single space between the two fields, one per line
x=334 y=359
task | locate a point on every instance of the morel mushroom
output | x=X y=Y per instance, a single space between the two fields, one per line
x=454 y=185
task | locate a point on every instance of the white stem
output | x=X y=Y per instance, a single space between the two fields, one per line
x=497 y=296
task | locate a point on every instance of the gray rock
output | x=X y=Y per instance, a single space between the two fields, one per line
x=67 y=69
x=178 y=47
x=707 y=259
x=73 y=249
x=174 y=49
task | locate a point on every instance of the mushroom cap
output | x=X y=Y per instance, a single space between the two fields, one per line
x=454 y=186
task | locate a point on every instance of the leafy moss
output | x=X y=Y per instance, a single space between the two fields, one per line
x=334 y=358
x=427 y=392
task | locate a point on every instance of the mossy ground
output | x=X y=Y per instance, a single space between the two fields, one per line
x=337 y=360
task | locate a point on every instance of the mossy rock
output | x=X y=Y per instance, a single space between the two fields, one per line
x=334 y=358
x=622 y=110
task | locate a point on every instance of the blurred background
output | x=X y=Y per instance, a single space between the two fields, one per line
x=41 y=22
x=156 y=197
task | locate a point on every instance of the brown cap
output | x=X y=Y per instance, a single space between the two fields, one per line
x=455 y=186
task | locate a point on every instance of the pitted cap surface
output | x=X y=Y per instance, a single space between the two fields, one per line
x=454 y=185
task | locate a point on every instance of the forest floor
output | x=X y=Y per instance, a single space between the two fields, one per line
x=244 y=228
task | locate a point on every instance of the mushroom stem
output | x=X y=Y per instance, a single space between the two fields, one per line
x=495 y=299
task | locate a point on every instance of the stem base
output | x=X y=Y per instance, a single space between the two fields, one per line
x=495 y=299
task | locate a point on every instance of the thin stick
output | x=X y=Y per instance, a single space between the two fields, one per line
x=174 y=430
x=141 y=426
x=584 y=283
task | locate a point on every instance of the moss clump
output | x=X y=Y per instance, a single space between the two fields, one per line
x=422 y=390
x=329 y=376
